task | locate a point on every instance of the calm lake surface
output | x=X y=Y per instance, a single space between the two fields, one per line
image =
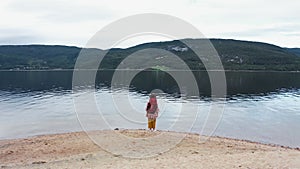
x=260 y=106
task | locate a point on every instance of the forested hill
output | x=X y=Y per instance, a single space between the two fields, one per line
x=234 y=54
x=37 y=57
x=294 y=50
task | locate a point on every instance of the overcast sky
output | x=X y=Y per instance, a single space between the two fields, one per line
x=74 y=22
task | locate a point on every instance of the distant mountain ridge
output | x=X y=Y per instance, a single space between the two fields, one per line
x=234 y=54
x=295 y=51
x=37 y=56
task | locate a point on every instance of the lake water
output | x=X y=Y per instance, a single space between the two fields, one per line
x=260 y=106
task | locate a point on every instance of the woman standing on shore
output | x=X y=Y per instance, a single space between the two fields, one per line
x=152 y=112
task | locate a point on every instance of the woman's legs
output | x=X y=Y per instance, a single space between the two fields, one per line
x=151 y=124
x=154 y=123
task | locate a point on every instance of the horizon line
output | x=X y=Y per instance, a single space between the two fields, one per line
x=82 y=47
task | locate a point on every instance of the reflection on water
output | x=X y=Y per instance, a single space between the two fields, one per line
x=238 y=83
x=260 y=106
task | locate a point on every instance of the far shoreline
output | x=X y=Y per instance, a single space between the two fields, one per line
x=60 y=70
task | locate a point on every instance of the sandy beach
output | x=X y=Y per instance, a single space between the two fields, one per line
x=77 y=150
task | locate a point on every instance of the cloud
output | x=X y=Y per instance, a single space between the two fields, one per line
x=18 y=36
x=75 y=21
x=269 y=29
x=18 y=40
x=62 y=10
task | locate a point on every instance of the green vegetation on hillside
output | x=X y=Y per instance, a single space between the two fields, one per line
x=295 y=51
x=234 y=54
x=38 y=57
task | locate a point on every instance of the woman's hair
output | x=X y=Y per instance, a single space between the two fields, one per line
x=148 y=106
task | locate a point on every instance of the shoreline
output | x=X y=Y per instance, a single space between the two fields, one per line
x=60 y=150
x=60 y=70
x=186 y=133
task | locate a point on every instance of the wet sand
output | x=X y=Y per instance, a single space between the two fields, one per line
x=77 y=150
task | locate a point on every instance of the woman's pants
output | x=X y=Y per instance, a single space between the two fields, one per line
x=151 y=123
